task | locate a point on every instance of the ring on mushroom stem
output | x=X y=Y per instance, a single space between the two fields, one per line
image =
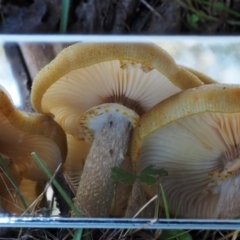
x=194 y=136
x=86 y=75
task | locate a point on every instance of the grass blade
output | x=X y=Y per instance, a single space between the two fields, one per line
x=78 y=232
x=64 y=16
x=56 y=184
x=164 y=202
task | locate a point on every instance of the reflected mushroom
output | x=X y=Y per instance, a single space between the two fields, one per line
x=194 y=135
x=107 y=87
x=23 y=133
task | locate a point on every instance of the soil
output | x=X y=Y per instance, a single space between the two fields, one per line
x=122 y=17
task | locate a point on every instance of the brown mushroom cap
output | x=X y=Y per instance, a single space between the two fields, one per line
x=23 y=133
x=194 y=135
x=86 y=75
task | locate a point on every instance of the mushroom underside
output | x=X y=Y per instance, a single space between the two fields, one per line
x=18 y=145
x=84 y=88
x=202 y=156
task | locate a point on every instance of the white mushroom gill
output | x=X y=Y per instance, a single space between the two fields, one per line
x=110 y=125
x=202 y=156
x=87 y=87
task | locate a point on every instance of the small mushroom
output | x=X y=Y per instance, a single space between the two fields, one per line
x=97 y=92
x=194 y=136
x=23 y=133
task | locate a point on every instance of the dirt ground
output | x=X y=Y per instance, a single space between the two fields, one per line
x=122 y=17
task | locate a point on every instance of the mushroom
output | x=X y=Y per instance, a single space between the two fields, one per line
x=194 y=135
x=97 y=92
x=23 y=133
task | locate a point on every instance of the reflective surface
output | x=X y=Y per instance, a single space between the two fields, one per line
x=12 y=74
x=112 y=223
x=216 y=57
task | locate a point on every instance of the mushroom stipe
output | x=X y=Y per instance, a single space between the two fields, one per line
x=110 y=125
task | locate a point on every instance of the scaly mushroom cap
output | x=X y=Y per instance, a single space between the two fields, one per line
x=86 y=75
x=23 y=133
x=194 y=135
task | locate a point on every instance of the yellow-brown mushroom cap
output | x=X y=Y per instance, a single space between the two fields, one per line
x=23 y=133
x=194 y=136
x=86 y=75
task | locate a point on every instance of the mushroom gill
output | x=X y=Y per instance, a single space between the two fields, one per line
x=23 y=133
x=194 y=135
x=76 y=89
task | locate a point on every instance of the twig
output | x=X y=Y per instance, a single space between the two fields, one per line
x=140 y=210
x=45 y=189
x=78 y=232
x=152 y=9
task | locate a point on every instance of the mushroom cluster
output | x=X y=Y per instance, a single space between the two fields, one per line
x=97 y=92
x=21 y=134
x=102 y=106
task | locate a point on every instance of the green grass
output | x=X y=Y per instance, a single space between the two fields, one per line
x=64 y=16
x=174 y=234
x=201 y=12
x=78 y=232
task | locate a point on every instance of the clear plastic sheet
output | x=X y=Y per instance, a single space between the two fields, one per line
x=113 y=223
x=110 y=223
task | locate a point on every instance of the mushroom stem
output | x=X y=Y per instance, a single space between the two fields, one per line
x=136 y=202
x=111 y=139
